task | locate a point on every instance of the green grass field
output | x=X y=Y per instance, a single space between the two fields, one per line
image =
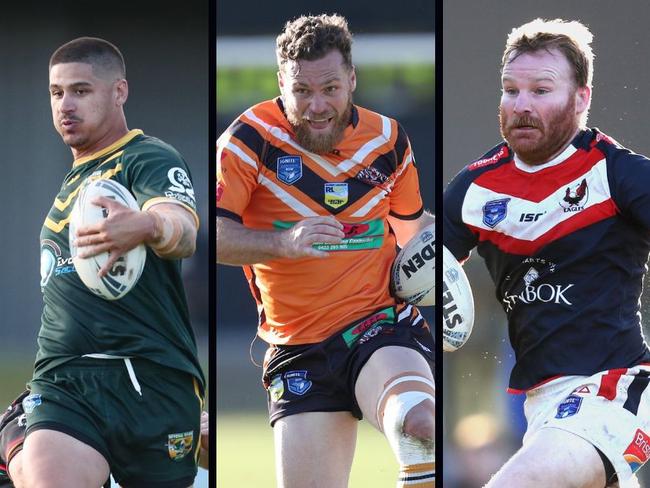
x=245 y=454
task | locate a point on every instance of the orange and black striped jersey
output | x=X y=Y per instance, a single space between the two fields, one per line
x=267 y=181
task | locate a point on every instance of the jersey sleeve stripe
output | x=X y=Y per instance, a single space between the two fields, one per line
x=157 y=200
x=222 y=212
x=412 y=216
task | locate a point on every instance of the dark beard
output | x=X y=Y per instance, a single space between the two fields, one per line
x=323 y=143
x=558 y=132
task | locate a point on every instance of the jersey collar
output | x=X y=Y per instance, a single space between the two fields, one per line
x=109 y=149
x=560 y=158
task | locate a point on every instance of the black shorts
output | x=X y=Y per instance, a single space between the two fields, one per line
x=321 y=377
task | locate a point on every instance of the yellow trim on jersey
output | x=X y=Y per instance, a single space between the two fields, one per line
x=54 y=226
x=156 y=200
x=116 y=155
x=63 y=204
x=197 y=392
x=102 y=152
x=73 y=180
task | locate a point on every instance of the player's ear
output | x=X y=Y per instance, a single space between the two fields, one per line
x=121 y=92
x=280 y=80
x=583 y=99
x=353 y=78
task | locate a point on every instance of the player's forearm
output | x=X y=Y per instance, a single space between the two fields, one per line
x=238 y=245
x=406 y=229
x=174 y=235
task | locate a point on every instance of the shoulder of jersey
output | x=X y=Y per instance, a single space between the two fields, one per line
x=149 y=146
x=491 y=159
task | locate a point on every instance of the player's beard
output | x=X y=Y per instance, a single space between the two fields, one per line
x=549 y=138
x=320 y=143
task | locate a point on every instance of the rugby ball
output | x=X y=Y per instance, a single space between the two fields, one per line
x=457 y=303
x=413 y=271
x=126 y=271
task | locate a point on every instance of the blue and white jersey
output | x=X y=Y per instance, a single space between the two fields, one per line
x=566 y=244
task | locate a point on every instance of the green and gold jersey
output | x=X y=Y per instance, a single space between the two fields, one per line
x=152 y=320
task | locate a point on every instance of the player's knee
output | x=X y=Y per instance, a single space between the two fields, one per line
x=408 y=422
x=419 y=422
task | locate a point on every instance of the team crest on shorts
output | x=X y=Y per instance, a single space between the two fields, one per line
x=276 y=389
x=638 y=451
x=568 y=407
x=289 y=169
x=495 y=211
x=180 y=445
x=336 y=194
x=32 y=401
x=297 y=382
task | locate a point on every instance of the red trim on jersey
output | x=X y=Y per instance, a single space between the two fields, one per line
x=501 y=154
x=608 y=383
x=515 y=391
x=510 y=180
x=581 y=219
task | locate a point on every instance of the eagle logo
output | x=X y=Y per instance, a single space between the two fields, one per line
x=575 y=197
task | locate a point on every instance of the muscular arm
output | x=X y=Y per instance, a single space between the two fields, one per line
x=169 y=229
x=406 y=229
x=174 y=234
x=239 y=245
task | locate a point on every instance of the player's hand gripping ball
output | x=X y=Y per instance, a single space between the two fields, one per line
x=457 y=303
x=413 y=272
x=126 y=271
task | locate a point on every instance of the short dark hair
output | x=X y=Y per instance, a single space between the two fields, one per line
x=99 y=53
x=572 y=39
x=312 y=37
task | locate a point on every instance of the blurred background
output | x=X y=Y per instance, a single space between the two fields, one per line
x=394 y=55
x=165 y=46
x=483 y=423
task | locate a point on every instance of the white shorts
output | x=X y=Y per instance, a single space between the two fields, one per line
x=610 y=409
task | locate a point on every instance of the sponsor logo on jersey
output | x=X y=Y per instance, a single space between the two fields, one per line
x=544 y=293
x=336 y=194
x=638 y=451
x=358 y=236
x=570 y=406
x=276 y=389
x=30 y=402
x=576 y=197
x=353 y=333
x=372 y=176
x=289 y=169
x=530 y=276
x=503 y=152
x=530 y=217
x=582 y=390
x=351 y=230
x=375 y=331
x=495 y=211
x=180 y=445
x=52 y=262
x=297 y=382
x=180 y=182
